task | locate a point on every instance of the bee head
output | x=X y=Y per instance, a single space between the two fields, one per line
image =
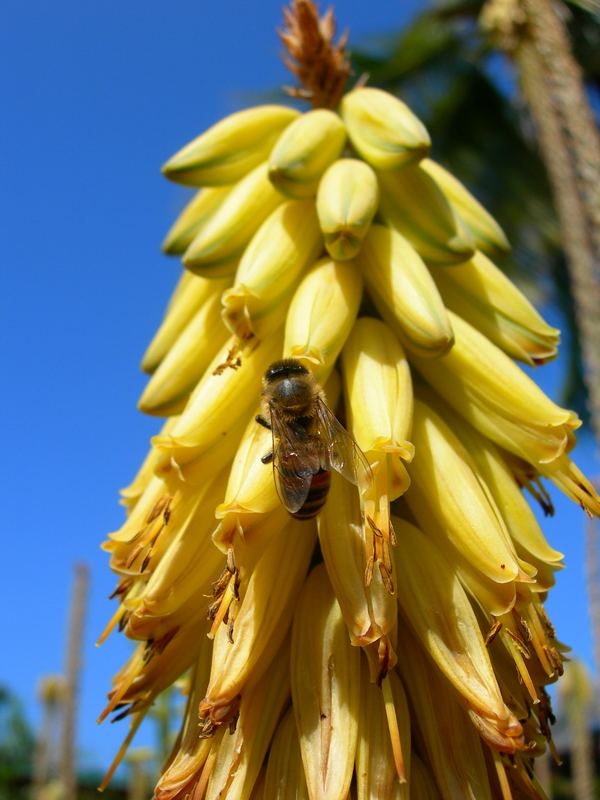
x=288 y=384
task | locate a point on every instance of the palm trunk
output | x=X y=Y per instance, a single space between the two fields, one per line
x=72 y=672
x=534 y=33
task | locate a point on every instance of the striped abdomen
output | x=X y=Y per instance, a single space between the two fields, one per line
x=317 y=494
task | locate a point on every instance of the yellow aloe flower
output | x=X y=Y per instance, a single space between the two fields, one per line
x=387 y=639
x=347 y=200
x=186 y=362
x=196 y=214
x=326 y=700
x=283 y=247
x=458 y=500
x=259 y=624
x=453 y=639
x=231 y=148
x=368 y=608
x=404 y=292
x=413 y=204
x=216 y=403
x=487 y=234
x=189 y=755
x=240 y=755
x=483 y=295
x=190 y=294
x=378 y=389
x=379 y=771
x=304 y=151
x=382 y=129
x=321 y=314
x=218 y=243
x=442 y=729
x=285 y=774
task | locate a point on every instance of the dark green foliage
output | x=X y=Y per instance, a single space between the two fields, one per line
x=16 y=748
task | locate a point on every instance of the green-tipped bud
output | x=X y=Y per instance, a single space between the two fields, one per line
x=190 y=294
x=404 y=292
x=217 y=246
x=304 y=151
x=231 y=148
x=490 y=391
x=196 y=214
x=382 y=129
x=321 y=315
x=346 y=204
x=178 y=373
x=413 y=203
x=287 y=242
x=490 y=302
x=487 y=234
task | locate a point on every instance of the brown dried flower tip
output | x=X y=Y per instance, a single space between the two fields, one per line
x=321 y=67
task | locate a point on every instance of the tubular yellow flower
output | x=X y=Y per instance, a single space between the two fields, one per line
x=520 y=520
x=376 y=774
x=132 y=493
x=369 y=610
x=250 y=489
x=487 y=234
x=285 y=244
x=413 y=204
x=440 y=614
x=482 y=295
x=382 y=129
x=219 y=401
x=183 y=577
x=347 y=200
x=240 y=755
x=218 y=244
x=285 y=773
x=325 y=673
x=378 y=389
x=498 y=398
x=231 y=148
x=445 y=476
x=321 y=314
x=268 y=595
x=184 y=767
x=186 y=362
x=193 y=217
x=404 y=292
x=190 y=294
x=304 y=151
x=422 y=785
x=442 y=729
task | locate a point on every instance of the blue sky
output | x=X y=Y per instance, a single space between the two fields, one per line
x=95 y=97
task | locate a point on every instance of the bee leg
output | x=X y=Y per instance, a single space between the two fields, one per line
x=266 y=459
x=262 y=421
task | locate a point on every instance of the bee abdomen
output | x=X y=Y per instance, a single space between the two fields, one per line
x=317 y=495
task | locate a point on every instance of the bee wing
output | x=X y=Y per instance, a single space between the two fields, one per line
x=293 y=465
x=339 y=450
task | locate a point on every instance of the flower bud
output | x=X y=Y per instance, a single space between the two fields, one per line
x=382 y=129
x=231 y=148
x=347 y=200
x=304 y=151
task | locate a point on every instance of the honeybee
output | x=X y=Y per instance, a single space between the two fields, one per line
x=308 y=441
